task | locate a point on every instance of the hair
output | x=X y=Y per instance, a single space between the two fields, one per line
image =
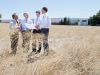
x=25 y=13
x=13 y=16
x=38 y=12
x=45 y=9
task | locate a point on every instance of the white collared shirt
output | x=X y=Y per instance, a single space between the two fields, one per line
x=46 y=21
x=28 y=23
x=37 y=21
x=13 y=24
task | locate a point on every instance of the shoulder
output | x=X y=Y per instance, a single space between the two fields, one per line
x=47 y=16
x=21 y=20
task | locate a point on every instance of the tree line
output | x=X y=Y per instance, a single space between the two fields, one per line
x=0 y=17
x=65 y=21
x=95 y=19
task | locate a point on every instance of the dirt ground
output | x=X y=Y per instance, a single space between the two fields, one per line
x=74 y=50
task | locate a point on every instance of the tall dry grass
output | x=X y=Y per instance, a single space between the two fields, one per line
x=73 y=51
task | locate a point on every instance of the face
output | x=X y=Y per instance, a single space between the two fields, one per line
x=37 y=14
x=43 y=12
x=16 y=17
x=26 y=15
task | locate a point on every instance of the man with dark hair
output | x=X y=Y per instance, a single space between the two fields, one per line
x=45 y=9
x=45 y=25
x=36 y=33
x=14 y=33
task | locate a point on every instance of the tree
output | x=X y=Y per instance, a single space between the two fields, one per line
x=65 y=21
x=0 y=17
x=95 y=19
x=68 y=21
x=61 y=22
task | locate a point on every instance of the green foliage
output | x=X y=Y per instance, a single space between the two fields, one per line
x=65 y=21
x=0 y=17
x=95 y=20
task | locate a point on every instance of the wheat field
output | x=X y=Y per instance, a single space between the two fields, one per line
x=74 y=50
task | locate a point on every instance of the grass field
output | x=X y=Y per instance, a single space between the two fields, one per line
x=74 y=50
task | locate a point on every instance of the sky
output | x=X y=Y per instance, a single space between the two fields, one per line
x=57 y=8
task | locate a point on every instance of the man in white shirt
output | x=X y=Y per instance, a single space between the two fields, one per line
x=45 y=25
x=36 y=33
x=14 y=33
x=26 y=32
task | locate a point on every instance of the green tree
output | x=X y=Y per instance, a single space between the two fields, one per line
x=95 y=19
x=61 y=22
x=68 y=21
x=0 y=17
x=65 y=21
x=98 y=17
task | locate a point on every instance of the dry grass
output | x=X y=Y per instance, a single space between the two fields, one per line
x=73 y=51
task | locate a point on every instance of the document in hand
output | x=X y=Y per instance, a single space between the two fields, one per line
x=30 y=26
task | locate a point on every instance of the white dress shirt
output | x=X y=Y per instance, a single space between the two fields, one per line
x=28 y=23
x=13 y=24
x=37 y=21
x=46 y=21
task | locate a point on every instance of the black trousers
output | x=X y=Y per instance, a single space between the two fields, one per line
x=34 y=38
x=45 y=32
x=36 y=31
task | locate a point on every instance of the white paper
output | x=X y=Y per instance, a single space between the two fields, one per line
x=30 y=26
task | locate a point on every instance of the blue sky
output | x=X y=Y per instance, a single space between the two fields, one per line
x=57 y=8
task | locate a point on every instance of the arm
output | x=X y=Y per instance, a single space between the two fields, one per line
x=10 y=24
x=49 y=21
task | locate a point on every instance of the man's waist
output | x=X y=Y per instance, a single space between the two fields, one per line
x=26 y=30
x=44 y=28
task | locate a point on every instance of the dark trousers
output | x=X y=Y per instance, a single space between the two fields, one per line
x=36 y=36
x=45 y=32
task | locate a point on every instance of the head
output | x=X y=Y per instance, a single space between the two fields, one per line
x=37 y=13
x=15 y=17
x=26 y=15
x=44 y=10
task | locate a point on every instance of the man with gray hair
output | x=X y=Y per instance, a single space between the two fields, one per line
x=26 y=32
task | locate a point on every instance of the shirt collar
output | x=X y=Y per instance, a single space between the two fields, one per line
x=26 y=19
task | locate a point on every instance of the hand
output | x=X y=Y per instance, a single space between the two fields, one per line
x=37 y=27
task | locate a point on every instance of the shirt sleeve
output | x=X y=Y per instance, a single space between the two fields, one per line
x=49 y=21
x=10 y=24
